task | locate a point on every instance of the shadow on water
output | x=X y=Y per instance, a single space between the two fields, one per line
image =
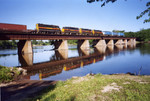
x=60 y=62
x=144 y=48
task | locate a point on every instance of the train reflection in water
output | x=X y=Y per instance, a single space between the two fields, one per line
x=60 y=61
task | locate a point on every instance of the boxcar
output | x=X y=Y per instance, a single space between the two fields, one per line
x=12 y=27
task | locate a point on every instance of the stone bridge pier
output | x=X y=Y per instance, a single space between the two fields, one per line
x=131 y=41
x=118 y=42
x=25 y=59
x=110 y=42
x=25 y=47
x=61 y=54
x=124 y=41
x=99 y=43
x=61 y=44
x=83 y=44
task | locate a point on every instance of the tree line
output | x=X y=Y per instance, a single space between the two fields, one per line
x=12 y=44
x=6 y=44
x=142 y=35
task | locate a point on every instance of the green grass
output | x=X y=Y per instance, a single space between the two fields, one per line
x=89 y=88
x=7 y=75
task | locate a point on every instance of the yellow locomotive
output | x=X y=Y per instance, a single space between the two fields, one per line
x=54 y=29
x=70 y=30
x=97 y=32
x=46 y=29
x=84 y=31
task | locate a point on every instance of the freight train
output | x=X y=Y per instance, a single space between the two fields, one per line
x=55 y=29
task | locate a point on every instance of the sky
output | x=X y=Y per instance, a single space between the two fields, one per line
x=120 y=15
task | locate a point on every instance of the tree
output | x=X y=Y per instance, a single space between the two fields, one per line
x=142 y=35
x=147 y=11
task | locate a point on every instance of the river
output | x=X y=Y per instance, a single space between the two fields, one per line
x=48 y=64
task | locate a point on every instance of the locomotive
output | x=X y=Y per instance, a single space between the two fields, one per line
x=54 y=29
x=70 y=30
x=84 y=31
x=45 y=29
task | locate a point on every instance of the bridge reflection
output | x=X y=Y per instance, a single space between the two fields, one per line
x=60 y=61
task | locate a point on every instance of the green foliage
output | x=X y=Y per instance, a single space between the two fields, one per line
x=7 y=74
x=72 y=42
x=90 y=88
x=90 y=41
x=144 y=48
x=35 y=42
x=142 y=35
x=147 y=11
x=6 y=44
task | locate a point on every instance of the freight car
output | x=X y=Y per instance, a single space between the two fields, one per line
x=12 y=27
x=121 y=34
x=70 y=30
x=114 y=33
x=47 y=29
x=107 y=33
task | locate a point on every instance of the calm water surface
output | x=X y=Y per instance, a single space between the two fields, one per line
x=48 y=64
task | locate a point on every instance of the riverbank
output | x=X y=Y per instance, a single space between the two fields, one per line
x=9 y=74
x=98 y=88
x=23 y=89
x=88 y=88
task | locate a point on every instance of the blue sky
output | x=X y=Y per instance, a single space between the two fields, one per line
x=120 y=15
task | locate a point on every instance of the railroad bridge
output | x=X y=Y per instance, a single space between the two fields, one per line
x=60 y=41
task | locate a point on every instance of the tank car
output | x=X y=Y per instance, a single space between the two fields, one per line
x=84 y=31
x=97 y=32
x=47 y=29
x=70 y=30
